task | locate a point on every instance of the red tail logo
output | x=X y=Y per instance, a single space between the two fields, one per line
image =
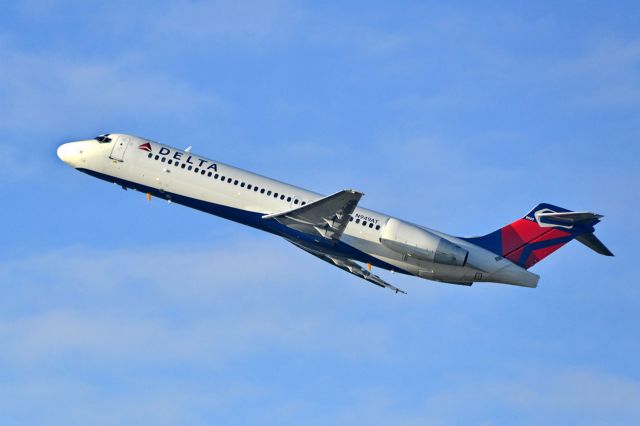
x=145 y=147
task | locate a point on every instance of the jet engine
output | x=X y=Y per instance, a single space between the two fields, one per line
x=421 y=245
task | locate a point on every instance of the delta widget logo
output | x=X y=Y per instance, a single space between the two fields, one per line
x=145 y=147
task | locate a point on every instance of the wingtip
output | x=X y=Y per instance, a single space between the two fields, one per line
x=355 y=191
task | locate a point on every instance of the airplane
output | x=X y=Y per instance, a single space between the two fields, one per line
x=333 y=228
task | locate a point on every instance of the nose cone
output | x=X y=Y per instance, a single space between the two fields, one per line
x=70 y=153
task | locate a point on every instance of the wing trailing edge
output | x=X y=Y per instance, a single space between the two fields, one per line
x=351 y=267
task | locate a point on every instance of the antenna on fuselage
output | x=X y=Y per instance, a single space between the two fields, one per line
x=188 y=150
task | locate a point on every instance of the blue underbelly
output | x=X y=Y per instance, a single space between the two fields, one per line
x=255 y=220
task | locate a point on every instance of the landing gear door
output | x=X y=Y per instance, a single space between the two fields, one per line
x=119 y=147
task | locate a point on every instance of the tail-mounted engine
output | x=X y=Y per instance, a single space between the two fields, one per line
x=421 y=245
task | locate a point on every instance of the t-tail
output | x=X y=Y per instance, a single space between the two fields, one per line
x=542 y=231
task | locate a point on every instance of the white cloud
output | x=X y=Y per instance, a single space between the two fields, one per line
x=60 y=400
x=45 y=93
x=105 y=305
x=586 y=397
x=165 y=333
x=49 y=99
x=359 y=36
x=604 y=76
x=14 y=166
x=566 y=396
x=245 y=21
x=130 y=317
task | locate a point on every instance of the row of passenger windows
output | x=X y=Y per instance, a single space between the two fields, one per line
x=222 y=178
x=248 y=186
x=364 y=223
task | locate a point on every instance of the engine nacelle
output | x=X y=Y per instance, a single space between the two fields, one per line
x=420 y=244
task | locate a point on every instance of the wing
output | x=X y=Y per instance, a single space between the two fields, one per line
x=351 y=267
x=327 y=217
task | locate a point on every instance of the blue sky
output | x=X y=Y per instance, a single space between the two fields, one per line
x=458 y=116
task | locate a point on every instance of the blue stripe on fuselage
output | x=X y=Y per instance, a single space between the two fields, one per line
x=255 y=220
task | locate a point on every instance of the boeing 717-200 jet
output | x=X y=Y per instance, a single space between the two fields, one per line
x=333 y=228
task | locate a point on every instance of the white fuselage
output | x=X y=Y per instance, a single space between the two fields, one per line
x=245 y=197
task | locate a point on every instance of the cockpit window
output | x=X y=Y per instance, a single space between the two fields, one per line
x=103 y=138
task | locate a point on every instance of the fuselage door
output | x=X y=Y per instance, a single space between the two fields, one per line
x=119 y=147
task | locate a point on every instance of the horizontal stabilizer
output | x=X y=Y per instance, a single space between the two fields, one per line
x=594 y=244
x=566 y=218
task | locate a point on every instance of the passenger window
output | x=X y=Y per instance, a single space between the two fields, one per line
x=209 y=174
x=282 y=197
x=196 y=170
x=169 y=162
x=235 y=182
x=262 y=191
x=303 y=203
x=268 y=192
x=371 y=225
x=215 y=176
x=183 y=165
x=296 y=201
x=364 y=223
x=176 y=164
x=242 y=185
x=255 y=189
x=357 y=220
x=249 y=186
x=377 y=227
x=163 y=160
x=275 y=195
x=157 y=156
x=150 y=155
x=229 y=180
x=288 y=199
x=203 y=172
x=190 y=167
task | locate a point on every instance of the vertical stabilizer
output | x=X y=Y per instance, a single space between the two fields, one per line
x=540 y=232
